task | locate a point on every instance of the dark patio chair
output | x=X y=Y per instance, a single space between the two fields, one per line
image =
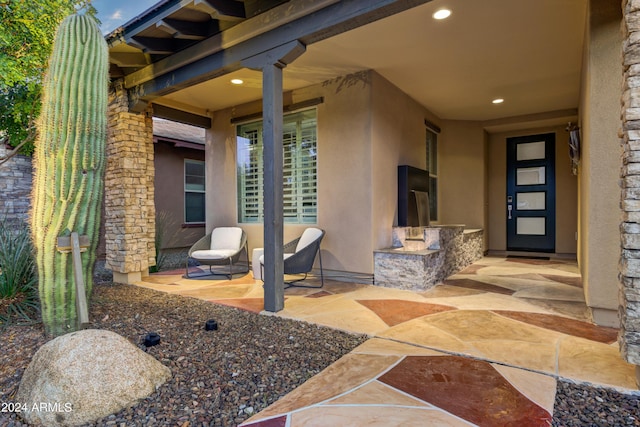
x=299 y=256
x=223 y=246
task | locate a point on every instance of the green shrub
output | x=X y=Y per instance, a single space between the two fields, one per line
x=18 y=279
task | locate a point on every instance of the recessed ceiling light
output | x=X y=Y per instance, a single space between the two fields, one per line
x=498 y=101
x=442 y=14
x=237 y=81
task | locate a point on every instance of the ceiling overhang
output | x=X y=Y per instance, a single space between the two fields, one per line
x=182 y=54
x=181 y=43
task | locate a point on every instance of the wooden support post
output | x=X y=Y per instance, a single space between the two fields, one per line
x=273 y=212
x=77 y=244
x=271 y=63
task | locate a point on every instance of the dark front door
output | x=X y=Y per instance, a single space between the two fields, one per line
x=531 y=196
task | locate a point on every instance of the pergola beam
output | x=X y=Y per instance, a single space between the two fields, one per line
x=152 y=45
x=186 y=30
x=229 y=10
x=222 y=53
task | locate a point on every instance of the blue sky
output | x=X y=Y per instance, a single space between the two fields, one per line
x=113 y=13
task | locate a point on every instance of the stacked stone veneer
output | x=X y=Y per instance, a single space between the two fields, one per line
x=629 y=337
x=15 y=196
x=422 y=257
x=129 y=190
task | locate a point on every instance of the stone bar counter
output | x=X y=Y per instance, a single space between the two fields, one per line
x=421 y=257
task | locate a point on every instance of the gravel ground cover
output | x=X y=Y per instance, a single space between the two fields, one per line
x=222 y=377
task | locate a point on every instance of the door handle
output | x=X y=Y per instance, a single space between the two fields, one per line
x=509 y=209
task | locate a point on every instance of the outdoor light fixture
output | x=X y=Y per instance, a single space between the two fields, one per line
x=442 y=14
x=211 y=325
x=237 y=81
x=151 y=339
x=498 y=101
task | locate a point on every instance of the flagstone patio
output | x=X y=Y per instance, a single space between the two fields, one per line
x=485 y=347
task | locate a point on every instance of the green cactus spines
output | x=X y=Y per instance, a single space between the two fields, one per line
x=69 y=161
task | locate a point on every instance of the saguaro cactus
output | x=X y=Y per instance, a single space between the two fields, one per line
x=69 y=164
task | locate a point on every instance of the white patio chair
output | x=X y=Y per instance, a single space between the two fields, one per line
x=223 y=246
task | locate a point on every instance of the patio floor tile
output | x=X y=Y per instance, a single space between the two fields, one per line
x=470 y=389
x=393 y=311
x=484 y=348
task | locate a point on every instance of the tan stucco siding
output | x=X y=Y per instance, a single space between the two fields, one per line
x=600 y=163
x=169 y=194
x=344 y=176
x=461 y=174
x=366 y=128
x=398 y=138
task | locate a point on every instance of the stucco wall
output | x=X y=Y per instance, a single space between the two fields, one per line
x=461 y=174
x=366 y=128
x=600 y=164
x=344 y=178
x=566 y=190
x=169 y=194
x=398 y=138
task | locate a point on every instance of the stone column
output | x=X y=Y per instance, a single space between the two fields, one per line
x=15 y=197
x=629 y=337
x=129 y=190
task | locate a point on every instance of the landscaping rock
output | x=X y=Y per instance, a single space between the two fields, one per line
x=86 y=375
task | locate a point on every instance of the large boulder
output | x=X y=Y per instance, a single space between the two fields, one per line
x=86 y=375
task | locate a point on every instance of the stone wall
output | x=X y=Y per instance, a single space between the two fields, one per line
x=424 y=256
x=15 y=181
x=129 y=190
x=629 y=337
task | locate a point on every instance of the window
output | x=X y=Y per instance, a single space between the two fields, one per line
x=194 y=195
x=432 y=167
x=299 y=169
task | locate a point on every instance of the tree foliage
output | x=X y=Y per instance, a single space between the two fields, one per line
x=27 y=30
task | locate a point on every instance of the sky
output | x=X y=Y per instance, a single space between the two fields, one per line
x=114 y=13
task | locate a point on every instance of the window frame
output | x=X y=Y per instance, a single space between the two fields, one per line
x=431 y=142
x=191 y=190
x=300 y=194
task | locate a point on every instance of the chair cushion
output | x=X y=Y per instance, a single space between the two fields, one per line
x=309 y=236
x=213 y=254
x=261 y=259
x=226 y=238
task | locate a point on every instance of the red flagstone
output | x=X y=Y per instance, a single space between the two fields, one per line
x=470 y=389
x=564 y=325
x=394 y=312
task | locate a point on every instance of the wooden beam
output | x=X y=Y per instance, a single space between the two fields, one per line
x=251 y=28
x=205 y=69
x=81 y=293
x=306 y=20
x=126 y=59
x=155 y=45
x=286 y=109
x=151 y=16
x=186 y=30
x=226 y=10
x=169 y=113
